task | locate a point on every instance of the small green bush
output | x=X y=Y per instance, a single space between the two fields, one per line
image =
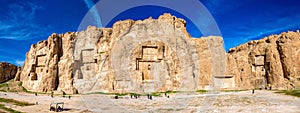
x=155 y=94
x=20 y=83
x=290 y=92
x=201 y=91
x=8 y=109
x=15 y=102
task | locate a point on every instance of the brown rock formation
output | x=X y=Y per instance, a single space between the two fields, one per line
x=7 y=71
x=48 y=64
x=143 y=56
x=273 y=61
x=132 y=56
x=156 y=55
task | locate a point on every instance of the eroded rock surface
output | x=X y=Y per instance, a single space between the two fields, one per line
x=7 y=71
x=49 y=64
x=132 y=56
x=157 y=55
x=272 y=62
x=145 y=56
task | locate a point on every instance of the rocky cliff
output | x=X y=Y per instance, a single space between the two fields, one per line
x=7 y=71
x=272 y=62
x=157 y=55
x=49 y=64
x=132 y=56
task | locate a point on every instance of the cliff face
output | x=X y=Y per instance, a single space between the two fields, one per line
x=273 y=61
x=157 y=55
x=47 y=63
x=7 y=71
x=144 y=56
x=132 y=56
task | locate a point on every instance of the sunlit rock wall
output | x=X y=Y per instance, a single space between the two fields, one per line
x=133 y=56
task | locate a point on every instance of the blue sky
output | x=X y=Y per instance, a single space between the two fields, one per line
x=25 y=22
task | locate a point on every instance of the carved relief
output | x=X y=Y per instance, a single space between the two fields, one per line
x=156 y=65
x=87 y=56
x=149 y=56
x=37 y=69
x=86 y=63
x=41 y=60
x=259 y=71
x=259 y=60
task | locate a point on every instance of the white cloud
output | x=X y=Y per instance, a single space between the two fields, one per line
x=19 y=62
x=19 y=23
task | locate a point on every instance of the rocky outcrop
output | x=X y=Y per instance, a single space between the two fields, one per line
x=7 y=71
x=155 y=55
x=132 y=56
x=144 y=56
x=48 y=64
x=211 y=57
x=272 y=62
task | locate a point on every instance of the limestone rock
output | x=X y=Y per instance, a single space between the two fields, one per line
x=7 y=71
x=144 y=56
x=270 y=62
x=157 y=55
x=132 y=56
x=66 y=64
x=211 y=61
x=48 y=64
x=17 y=75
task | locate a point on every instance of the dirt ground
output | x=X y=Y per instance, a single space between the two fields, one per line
x=212 y=102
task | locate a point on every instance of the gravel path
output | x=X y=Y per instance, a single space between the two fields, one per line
x=224 y=102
